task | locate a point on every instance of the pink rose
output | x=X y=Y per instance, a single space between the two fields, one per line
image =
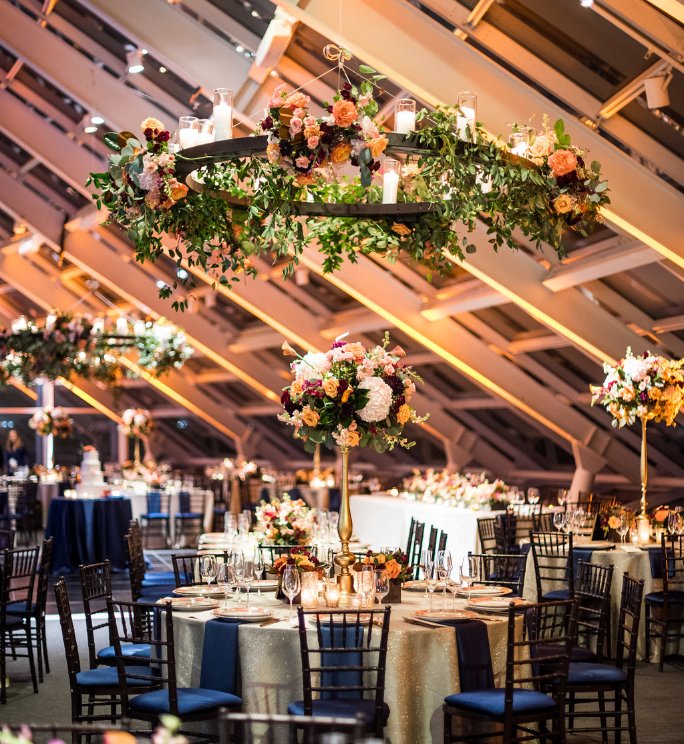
x=312 y=142
x=310 y=121
x=562 y=162
x=299 y=112
x=302 y=162
x=295 y=125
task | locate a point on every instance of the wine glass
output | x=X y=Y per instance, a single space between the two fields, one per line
x=382 y=586
x=425 y=558
x=248 y=571
x=239 y=569
x=444 y=565
x=673 y=521
x=453 y=586
x=208 y=569
x=623 y=527
x=533 y=495
x=562 y=496
x=464 y=577
x=259 y=567
x=431 y=579
x=291 y=585
x=224 y=579
x=558 y=520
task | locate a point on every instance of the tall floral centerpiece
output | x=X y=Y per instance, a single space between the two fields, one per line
x=284 y=521
x=50 y=421
x=648 y=388
x=350 y=396
x=137 y=423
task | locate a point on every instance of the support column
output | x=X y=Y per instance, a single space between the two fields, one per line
x=587 y=464
x=121 y=446
x=45 y=446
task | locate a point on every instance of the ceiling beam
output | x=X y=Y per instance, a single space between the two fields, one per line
x=667 y=325
x=463 y=297
x=673 y=8
x=409 y=34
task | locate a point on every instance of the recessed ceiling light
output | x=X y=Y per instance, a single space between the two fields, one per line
x=239 y=49
x=97 y=119
x=90 y=129
x=162 y=69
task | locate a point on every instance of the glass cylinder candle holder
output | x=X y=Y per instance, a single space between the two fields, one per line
x=309 y=590
x=204 y=131
x=467 y=115
x=390 y=181
x=332 y=593
x=520 y=139
x=404 y=115
x=186 y=131
x=223 y=114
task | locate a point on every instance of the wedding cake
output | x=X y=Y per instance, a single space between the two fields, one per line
x=92 y=482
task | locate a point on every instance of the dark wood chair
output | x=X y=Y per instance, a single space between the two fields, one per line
x=553 y=565
x=153 y=586
x=157 y=514
x=134 y=623
x=532 y=701
x=414 y=557
x=17 y=581
x=665 y=610
x=411 y=536
x=36 y=613
x=343 y=666
x=271 y=552
x=432 y=541
x=190 y=513
x=593 y=683
x=593 y=585
x=91 y=690
x=7 y=539
x=442 y=542
x=485 y=531
x=500 y=569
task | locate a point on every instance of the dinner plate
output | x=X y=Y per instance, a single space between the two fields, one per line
x=246 y=614
x=420 y=586
x=192 y=604
x=483 y=590
x=199 y=591
x=595 y=545
x=440 y=615
x=493 y=604
x=265 y=585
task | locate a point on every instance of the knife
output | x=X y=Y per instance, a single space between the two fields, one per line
x=426 y=623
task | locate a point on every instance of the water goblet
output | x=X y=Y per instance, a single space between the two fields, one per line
x=225 y=578
x=623 y=527
x=673 y=523
x=382 y=586
x=558 y=520
x=208 y=569
x=239 y=569
x=533 y=495
x=425 y=558
x=291 y=586
x=259 y=567
x=431 y=579
x=453 y=586
x=464 y=577
x=248 y=574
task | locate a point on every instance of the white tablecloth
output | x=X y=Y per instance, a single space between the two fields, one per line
x=384 y=521
x=422 y=666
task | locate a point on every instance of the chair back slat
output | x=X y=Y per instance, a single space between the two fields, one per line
x=592 y=589
x=68 y=631
x=485 y=530
x=7 y=539
x=552 y=558
x=411 y=536
x=432 y=541
x=44 y=571
x=501 y=569
x=96 y=589
x=414 y=558
x=442 y=543
x=672 y=557
x=628 y=623
x=187 y=567
x=271 y=552
x=19 y=566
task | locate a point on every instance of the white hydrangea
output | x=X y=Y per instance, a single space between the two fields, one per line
x=379 y=399
x=312 y=366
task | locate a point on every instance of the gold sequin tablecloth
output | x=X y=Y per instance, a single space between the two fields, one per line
x=422 y=666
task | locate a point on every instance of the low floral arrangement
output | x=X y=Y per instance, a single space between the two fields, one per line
x=248 y=206
x=284 y=521
x=148 y=472
x=647 y=387
x=51 y=421
x=350 y=396
x=301 y=559
x=609 y=519
x=136 y=422
x=70 y=346
x=393 y=564
x=464 y=490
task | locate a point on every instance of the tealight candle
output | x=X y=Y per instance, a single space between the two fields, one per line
x=223 y=114
x=332 y=594
x=139 y=327
x=121 y=326
x=390 y=181
x=404 y=115
x=644 y=529
x=186 y=131
x=467 y=114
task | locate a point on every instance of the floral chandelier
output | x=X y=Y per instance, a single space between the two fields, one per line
x=341 y=183
x=70 y=345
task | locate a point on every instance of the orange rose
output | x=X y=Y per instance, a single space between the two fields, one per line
x=613 y=522
x=661 y=515
x=353 y=438
x=177 y=190
x=330 y=386
x=346 y=394
x=356 y=349
x=378 y=145
x=310 y=417
x=562 y=162
x=392 y=569
x=340 y=153
x=296 y=388
x=563 y=204
x=344 y=113
x=118 y=737
x=403 y=414
x=400 y=229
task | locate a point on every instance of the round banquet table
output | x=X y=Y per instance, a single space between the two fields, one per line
x=624 y=558
x=422 y=665
x=88 y=531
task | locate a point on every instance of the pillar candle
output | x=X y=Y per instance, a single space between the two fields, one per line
x=405 y=122
x=390 y=186
x=223 y=122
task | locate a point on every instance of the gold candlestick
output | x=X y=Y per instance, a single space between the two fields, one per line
x=642 y=520
x=345 y=558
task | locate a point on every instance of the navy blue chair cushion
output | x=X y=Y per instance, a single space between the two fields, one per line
x=659 y=598
x=159 y=577
x=492 y=702
x=595 y=674
x=190 y=700
x=156 y=515
x=129 y=650
x=108 y=677
x=189 y=515
x=341 y=708
x=19 y=608
x=555 y=595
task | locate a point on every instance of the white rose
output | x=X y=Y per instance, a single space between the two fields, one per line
x=379 y=399
x=312 y=366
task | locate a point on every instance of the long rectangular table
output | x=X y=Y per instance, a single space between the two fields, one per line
x=381 y=520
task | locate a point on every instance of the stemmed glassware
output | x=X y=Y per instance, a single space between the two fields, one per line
x=259 y=567
x=208 y=569
x=562 y=496
x=674 y=523
x=559 y=520
x=533 y=495
x=431 y=579
x=425 y=559
x=291 y=585
x=444 y=565
x=382 y=586
x=453 y=586
x=248 y=570
x=225 y=577
x=469 y=573
x=239 y=569
x=623 y=527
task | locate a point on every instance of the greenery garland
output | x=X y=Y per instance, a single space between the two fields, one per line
x=71 y=347
x=247 y=206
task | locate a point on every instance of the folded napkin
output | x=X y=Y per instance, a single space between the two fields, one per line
x=220 y=656
x=580 y=554
x=474 y=658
